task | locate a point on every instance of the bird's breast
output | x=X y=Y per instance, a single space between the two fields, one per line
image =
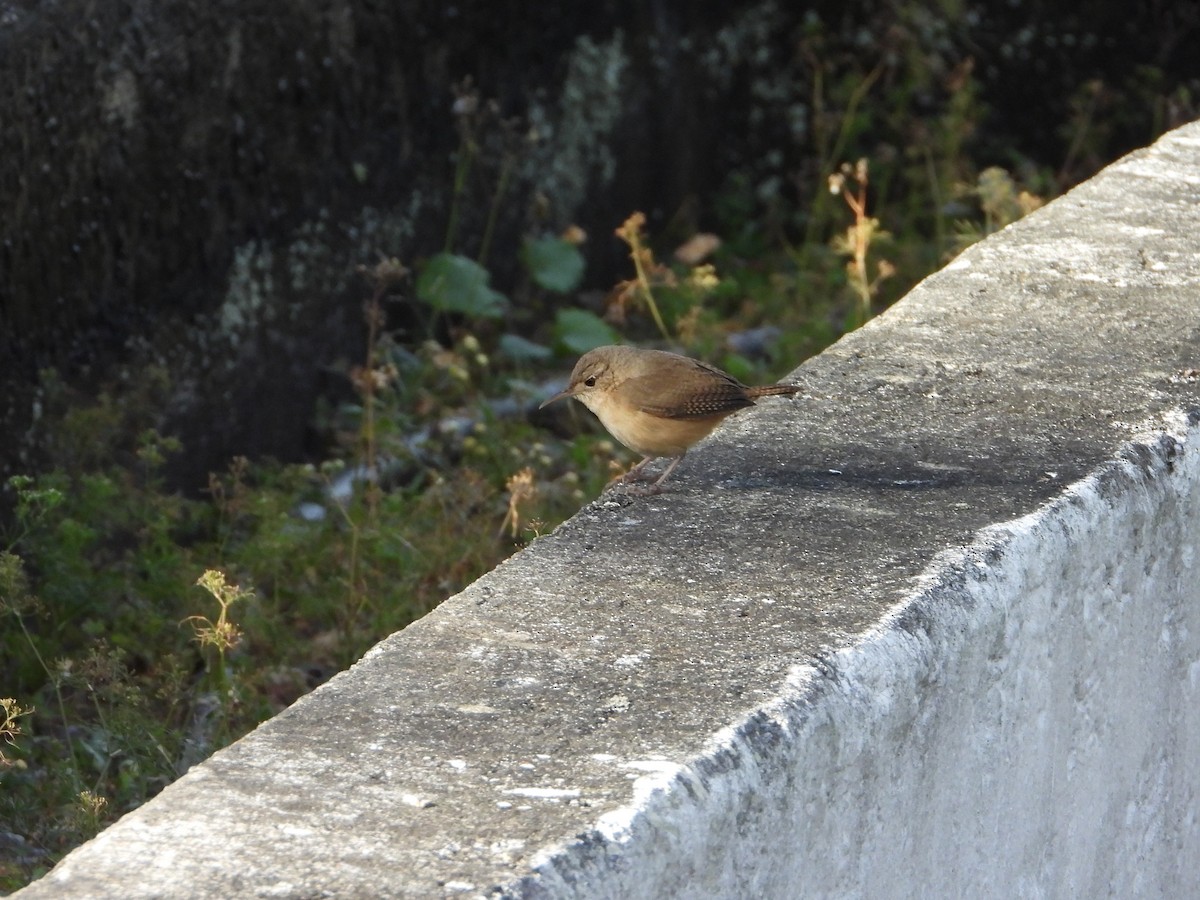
x=646 y=434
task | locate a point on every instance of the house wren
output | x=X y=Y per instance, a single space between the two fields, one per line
x=658 y=404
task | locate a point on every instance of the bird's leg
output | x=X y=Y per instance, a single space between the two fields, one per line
x=671 y=468
x=635 y=474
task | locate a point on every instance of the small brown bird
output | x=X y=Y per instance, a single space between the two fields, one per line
x=656 y=403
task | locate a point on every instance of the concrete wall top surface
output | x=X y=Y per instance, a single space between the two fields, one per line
x=565 y=725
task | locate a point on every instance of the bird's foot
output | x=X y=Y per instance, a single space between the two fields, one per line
x=636 y=474
x=632 y=480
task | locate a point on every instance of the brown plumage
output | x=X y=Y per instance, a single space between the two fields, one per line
x=656 y=403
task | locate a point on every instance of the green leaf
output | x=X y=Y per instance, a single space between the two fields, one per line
x=452 y=283
x=520 y=349
x=740 y=368
x=580 y=331
x=553 y=263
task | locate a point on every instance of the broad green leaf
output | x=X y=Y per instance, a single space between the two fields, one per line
x=520 y=349
x=553 y=263
x=453 y=283
x=580 y=331
x=740 y=367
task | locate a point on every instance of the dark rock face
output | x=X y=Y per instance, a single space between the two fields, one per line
x=195 y=184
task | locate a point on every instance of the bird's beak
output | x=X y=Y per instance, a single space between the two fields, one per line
x=567 y=392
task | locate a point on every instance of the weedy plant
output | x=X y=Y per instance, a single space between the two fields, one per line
x=1001 y=202
x=217 y=637
x=851 y=182
x=11 y=714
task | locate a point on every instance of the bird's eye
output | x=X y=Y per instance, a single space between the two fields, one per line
x=590 y=382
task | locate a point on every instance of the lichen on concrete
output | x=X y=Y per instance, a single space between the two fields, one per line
x=573 y=154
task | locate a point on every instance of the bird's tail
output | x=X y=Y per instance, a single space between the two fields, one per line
x=767 y=390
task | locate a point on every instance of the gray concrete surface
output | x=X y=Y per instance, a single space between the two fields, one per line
x=930 y=629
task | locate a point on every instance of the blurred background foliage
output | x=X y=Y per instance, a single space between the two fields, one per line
x=271 y=401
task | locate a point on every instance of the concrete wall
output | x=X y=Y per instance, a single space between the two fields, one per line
x=930 y=629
